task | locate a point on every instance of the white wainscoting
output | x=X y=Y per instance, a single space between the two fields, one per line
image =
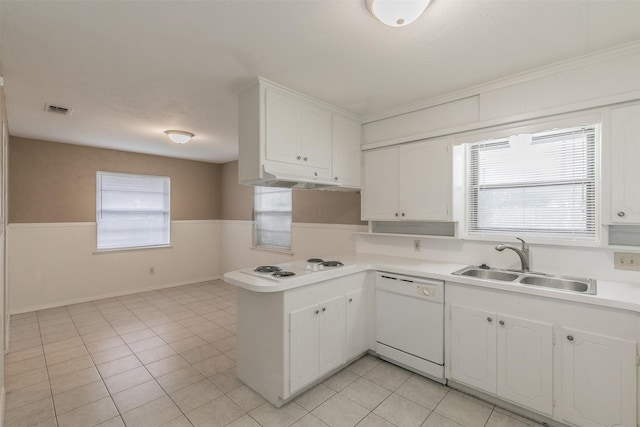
x=308 y=240
x=55 y=264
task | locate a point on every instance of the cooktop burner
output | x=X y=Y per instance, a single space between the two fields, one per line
x=267 y=269
x=332 y=264
x=283 y=274
x=315 y=260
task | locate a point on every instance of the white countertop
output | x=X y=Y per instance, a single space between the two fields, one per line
x=609 y=294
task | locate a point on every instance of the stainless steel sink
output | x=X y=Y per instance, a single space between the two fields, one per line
x=487 y=274
x=560 y=283
x=563 y=284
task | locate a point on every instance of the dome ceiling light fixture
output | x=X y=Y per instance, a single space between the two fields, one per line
x=179 y=136
x=396 y=13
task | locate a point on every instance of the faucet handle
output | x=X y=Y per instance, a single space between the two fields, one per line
x=525 y=245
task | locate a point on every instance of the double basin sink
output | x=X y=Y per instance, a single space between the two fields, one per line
x=561 y=283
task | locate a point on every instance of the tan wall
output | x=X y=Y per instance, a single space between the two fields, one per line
x=237 y=200
x=54 y=182
x=309 y=206
x=326 y=207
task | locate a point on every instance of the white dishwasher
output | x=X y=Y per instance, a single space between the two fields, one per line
x=410 y=322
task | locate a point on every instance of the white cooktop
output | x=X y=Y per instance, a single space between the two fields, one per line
x=300 y=268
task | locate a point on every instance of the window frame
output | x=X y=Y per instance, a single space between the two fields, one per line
x=167 y=213
x=464 y=188
x=256 y=244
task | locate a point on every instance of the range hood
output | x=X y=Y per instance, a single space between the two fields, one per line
x=287 y=180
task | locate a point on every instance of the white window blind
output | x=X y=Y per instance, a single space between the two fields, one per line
x=544 y=189
x=272 y=214
x=132 y=210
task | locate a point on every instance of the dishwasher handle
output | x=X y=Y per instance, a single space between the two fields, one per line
x=410 y=279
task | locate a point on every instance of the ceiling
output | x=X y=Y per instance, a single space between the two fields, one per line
x=131 y=69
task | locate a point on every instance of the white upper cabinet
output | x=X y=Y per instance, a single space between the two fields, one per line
x=625 y=156
x=408 y=182
x=346 y=151
x=297 y=132
x=380 y=198
x=289 y=137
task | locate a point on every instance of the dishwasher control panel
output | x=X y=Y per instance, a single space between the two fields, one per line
x=427 y=290
x=416 y=287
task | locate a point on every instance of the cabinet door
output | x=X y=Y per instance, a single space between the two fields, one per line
x=315 y=136
x=473 y=348
x=356 y=342
x=525 y=363
x=305 y=347
x=332 y=334
x=346 y=151
x=625 y=156
x=380 y=186
x=283 y=128
x=598 y=380
x=425 y=180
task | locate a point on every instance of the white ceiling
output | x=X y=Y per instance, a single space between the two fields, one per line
x=132 y=69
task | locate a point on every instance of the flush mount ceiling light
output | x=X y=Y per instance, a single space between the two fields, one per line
x=397 y=13
x=179 y=136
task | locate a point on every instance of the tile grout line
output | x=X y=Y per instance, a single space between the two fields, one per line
x=46 y=365
x=138 y=359
x=167 y=394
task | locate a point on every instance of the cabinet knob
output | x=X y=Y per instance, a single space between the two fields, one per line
x=570 y=337
x=350 y=299
x=335 y=178
x=304 y=158
x=489 y=319
x=299 y=157
x=621 y=214
x=396 y=213
x=317 y=311
x=402 y=213
x=324 y=308
x=501 y=322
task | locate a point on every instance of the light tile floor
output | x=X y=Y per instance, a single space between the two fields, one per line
x=167 y=358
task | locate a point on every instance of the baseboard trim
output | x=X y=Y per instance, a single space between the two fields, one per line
x=111 y=295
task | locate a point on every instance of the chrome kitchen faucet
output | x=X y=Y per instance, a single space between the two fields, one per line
x=522 y=253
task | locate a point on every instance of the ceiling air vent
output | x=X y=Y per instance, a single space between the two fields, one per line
x=58 y=109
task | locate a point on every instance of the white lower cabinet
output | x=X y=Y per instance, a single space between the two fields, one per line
x=473 y=348
x=572 y=362
x=598 y=380
x=525 y=362
x=317 y=341
x=356 y=318
x=502 y=355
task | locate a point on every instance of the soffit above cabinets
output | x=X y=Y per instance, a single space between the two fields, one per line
x=131 y=70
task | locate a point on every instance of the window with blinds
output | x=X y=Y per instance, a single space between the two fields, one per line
x=132 y=210
x=272 y=215
x=542 y=185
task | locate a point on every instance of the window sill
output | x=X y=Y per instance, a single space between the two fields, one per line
x=268 y=249
x=136 y=248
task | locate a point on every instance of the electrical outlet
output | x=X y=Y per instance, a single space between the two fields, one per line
x=626 y=261
x=152 y=270
x=416 y=245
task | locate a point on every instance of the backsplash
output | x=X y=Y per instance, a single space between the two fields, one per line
x=596 y=263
